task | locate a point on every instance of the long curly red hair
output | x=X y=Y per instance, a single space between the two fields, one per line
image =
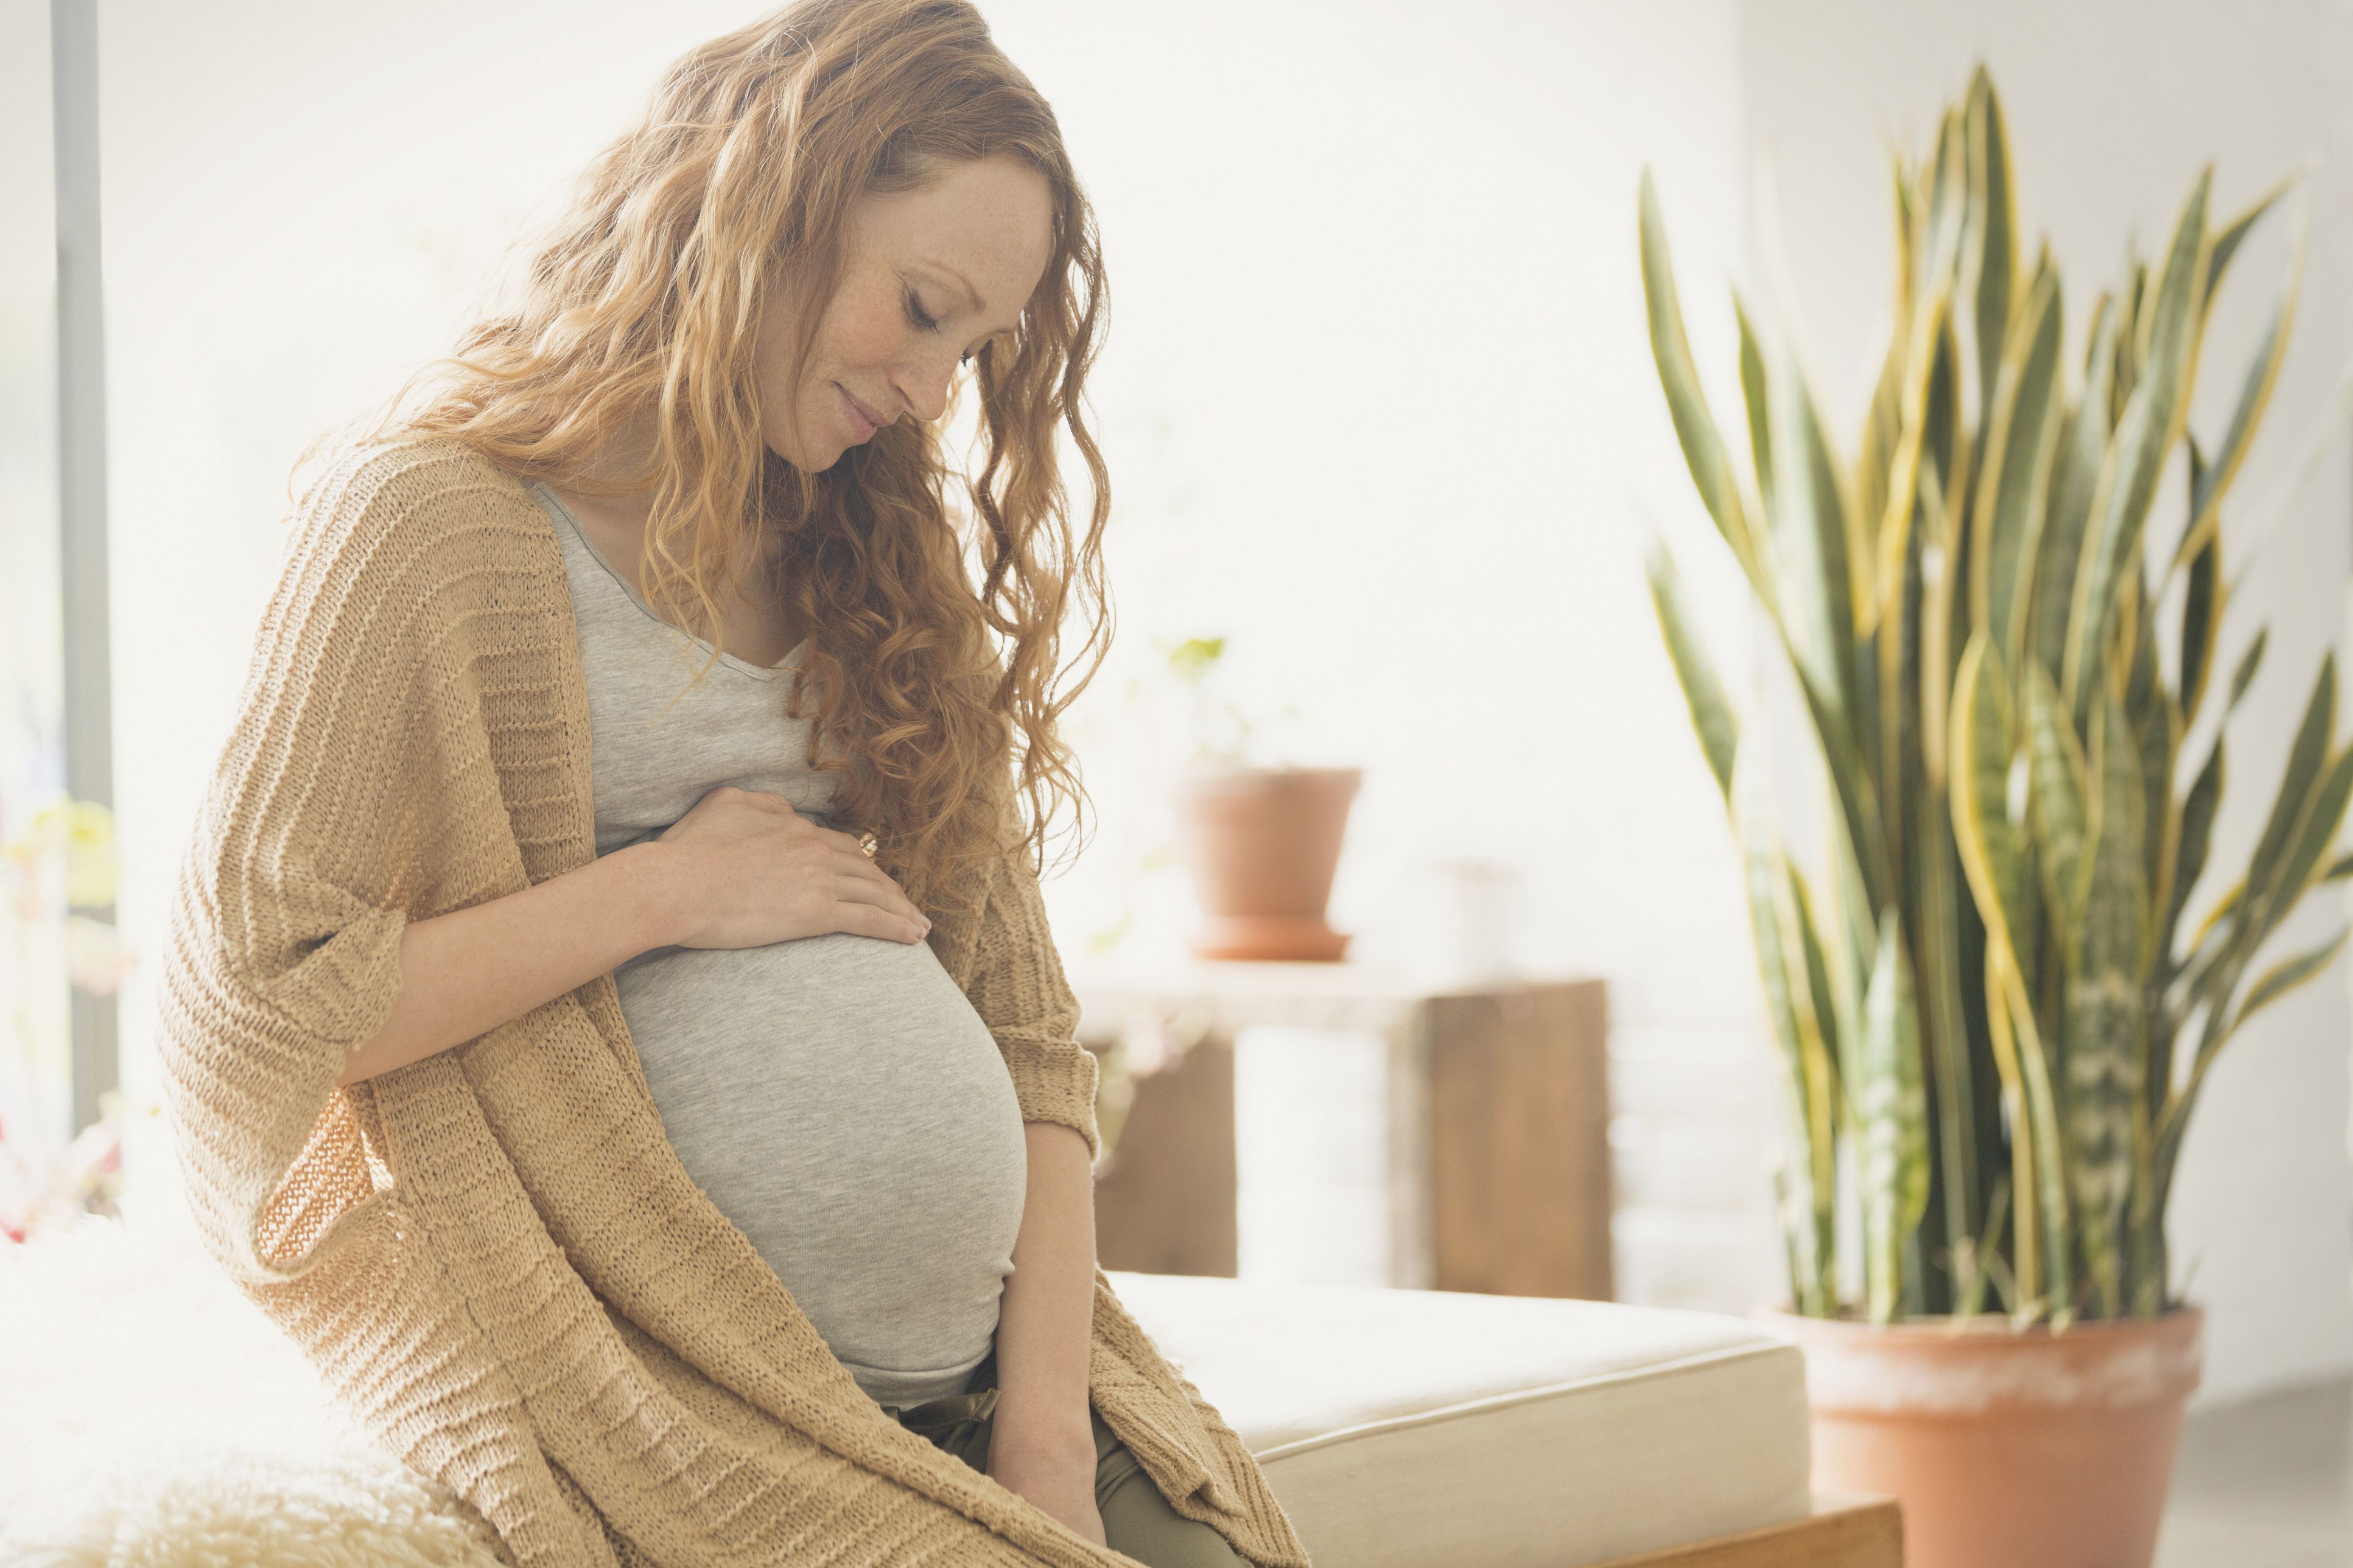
x=936 y=658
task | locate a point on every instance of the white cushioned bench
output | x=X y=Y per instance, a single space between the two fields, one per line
x=1419 y=1427
x=150 y=1416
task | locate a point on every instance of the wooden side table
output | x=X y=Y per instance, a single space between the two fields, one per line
x=1497 y=1114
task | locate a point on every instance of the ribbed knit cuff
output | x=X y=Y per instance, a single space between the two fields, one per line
x=1055 y=1083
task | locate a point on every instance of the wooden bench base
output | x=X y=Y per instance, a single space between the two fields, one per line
x=1842 y=1533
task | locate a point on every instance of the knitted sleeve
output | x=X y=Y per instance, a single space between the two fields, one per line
x=283 y=951
x=1017 y=986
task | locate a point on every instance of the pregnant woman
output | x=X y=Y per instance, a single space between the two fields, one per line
x=608 y=1021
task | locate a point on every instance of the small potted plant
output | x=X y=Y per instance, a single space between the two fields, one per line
x=1992 y=1032
x=1261 y=843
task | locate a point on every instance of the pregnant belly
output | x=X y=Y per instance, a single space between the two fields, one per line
x=843 y=1105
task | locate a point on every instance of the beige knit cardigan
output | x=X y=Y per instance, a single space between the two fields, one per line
x=493 y=1256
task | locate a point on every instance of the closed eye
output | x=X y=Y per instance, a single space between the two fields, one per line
x=919 y=317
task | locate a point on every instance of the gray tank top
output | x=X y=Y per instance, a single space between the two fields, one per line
x=836 y=1096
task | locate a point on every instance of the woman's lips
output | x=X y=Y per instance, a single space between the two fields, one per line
x=861 y=423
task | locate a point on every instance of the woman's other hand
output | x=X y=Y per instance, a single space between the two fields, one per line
x=742 y=868
x=1057 y=1478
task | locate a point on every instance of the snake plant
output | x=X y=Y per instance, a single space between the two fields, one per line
x=1991 y=1033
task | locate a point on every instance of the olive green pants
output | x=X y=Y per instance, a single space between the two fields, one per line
x=1137 y=1520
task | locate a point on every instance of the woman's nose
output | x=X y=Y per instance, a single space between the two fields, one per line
x=924 y=385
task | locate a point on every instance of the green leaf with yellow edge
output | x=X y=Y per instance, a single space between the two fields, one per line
x=1711 y=712
x=2233 y=234
x=2075 y=476
x=2248 y=662
x=1890 y=1104
x=2213 y=480
x=1756 y=397
x=2059 y=805
x=2316 y=829
x=1809 y=1176
x=1811 y=540
x=1710 y=470
x=2014 y=482
x=2283 y=978
x=1836 y=1015
x=1993 y=259
x=2307 y=755
x=2198 y=808
x=2114 y=932
x=2166 y=344
x=2202 y=621
x=2106 y=1111
x=1993 y=848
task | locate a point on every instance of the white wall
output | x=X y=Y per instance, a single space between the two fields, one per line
x=2113 y=106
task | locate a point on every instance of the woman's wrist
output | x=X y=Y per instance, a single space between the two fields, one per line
x=1043 y=1426
x=653 y=903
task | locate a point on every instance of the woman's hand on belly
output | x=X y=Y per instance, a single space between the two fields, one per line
x=742 y=868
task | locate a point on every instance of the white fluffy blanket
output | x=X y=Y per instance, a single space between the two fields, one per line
x=152 y=1417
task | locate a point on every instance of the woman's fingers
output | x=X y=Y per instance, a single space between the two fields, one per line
x=854 y=894
x=780 y=805
x=882 y=893
x=871 y=920
x=882 y=888
x=846 y=842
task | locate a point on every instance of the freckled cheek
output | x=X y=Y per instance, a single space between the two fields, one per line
x=864 y=347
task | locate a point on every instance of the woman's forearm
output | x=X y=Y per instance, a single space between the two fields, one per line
x=1045 y=1323
x=466 y=972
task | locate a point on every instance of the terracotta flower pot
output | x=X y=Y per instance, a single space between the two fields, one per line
x=2024 y=1450
x=1262 y=845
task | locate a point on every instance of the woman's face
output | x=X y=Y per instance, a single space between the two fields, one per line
x=927 y=277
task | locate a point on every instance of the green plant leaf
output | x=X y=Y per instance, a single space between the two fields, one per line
x=2248 y=662
x=1891 y=1108
x=1711 y=714
x=2157 y=732
x=1808 y=1175
x=1993 y=848
x=2213 y=480
x=2104 y=1111
x=2234 y=233
x=1835 y=1014
x=2201 y=619
x=2278 y=980
x=2315 y=830
x=2075 y=476
x=2307 y=756
x=2058 y=800
x=2015 y=480
x=1992 y=264
x=1755 y=396
x=2106 y=1070
x=2167 y=345
x=1811 y=544
x=2113 y=936
x=1710 y=470
x=2197 y=832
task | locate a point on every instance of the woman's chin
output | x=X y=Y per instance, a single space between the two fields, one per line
x=811 y=462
